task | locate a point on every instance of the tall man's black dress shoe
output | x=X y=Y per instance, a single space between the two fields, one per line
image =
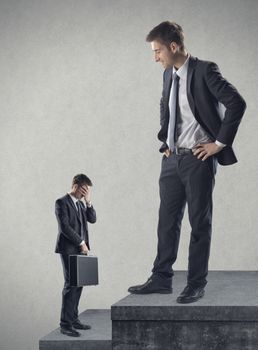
x=79 y=325
x=190 y=294
x=152 y=285
x=71 y=332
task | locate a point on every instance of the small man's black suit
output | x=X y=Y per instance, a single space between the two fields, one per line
x=71 y=232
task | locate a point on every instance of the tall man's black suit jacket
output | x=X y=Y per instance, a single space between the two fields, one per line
x=205 y=89
x=69 y=225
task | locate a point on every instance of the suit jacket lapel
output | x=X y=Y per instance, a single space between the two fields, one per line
x=73 y=205
x=167 y=88
x=190 y=72
x=168 y=85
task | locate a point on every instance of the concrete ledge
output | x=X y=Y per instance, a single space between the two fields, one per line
x=229 y=296
x=169 y=335
x=225 y=319
x=99 y=337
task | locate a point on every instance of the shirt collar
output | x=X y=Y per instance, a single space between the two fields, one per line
x=182 y=71
x=73 y=198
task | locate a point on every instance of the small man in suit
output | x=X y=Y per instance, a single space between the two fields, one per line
x=73 y=212
x=195 y=136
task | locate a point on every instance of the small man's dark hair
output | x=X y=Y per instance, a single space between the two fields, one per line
x=166 y=33
x=81 y=180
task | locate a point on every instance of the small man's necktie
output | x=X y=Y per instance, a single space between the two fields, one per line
x=80 y=216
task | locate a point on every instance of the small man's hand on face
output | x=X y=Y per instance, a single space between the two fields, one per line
x=205 y=150
x=85 y=191
x=84 y=249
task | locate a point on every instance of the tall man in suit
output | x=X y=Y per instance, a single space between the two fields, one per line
x=195 y=137
x=73 y=212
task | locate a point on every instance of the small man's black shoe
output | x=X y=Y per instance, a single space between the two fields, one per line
x=190 y=294
x=71 y=332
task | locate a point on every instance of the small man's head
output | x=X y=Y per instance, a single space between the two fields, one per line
x=167 y=42
x=80 y=181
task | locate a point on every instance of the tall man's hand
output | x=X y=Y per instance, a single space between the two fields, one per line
x=205 y=150
x=167 y=152
x=86 y=193
x=84 y=249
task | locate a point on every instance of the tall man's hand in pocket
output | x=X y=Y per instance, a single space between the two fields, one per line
x=167 y=152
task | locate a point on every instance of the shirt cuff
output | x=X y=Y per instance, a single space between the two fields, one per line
x=82 y=242
x=89 y=204
x=220 y=144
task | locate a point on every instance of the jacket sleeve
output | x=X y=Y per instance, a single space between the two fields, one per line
x=228 y=95
x=63 y=223
x=91 y=215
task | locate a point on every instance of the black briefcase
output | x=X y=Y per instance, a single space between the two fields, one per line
x=83 y=270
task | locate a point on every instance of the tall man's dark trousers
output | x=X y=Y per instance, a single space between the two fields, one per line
x=70 y=297
x=185 y=179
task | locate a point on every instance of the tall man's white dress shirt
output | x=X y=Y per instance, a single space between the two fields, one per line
x=189 y=131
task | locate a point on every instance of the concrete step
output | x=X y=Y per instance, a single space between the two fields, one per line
x=225 y=319
x=97 y=338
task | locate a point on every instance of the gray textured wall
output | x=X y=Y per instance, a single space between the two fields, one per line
x=80 y=92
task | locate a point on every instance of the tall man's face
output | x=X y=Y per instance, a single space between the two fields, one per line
x=165 y=55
